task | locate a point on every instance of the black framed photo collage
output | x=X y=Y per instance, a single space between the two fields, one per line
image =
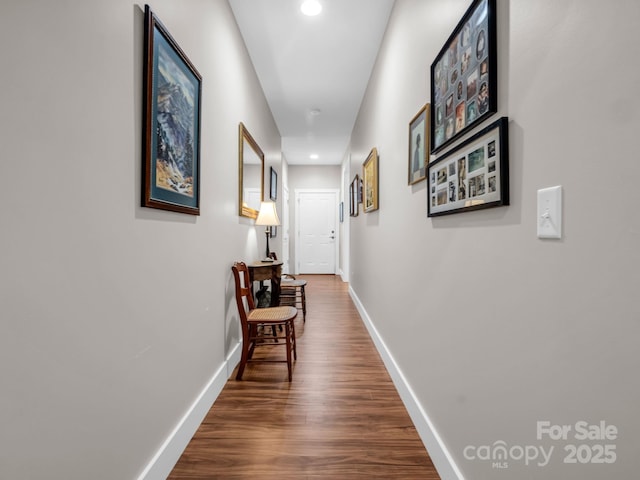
x=464 y=94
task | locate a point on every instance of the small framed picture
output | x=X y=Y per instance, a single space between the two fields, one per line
x=370 y=182
x=273 y=186
x=354 y=208
x=419 y=146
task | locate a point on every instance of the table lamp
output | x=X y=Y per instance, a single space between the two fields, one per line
x=267 y=216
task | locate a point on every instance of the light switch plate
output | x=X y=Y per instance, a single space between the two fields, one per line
x=550 y=212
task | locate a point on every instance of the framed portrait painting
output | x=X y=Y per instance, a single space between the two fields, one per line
x=419 y=146
x=171 y=140
x=370 y=182
x=464 y=76
x=472 y=176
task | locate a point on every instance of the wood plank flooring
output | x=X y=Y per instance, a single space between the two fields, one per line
x=340 y=417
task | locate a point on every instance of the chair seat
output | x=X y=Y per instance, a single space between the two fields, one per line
x=292 y=293
x=272 y=314
x=292 y=283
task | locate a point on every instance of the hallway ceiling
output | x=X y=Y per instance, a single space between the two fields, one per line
x=313 y=70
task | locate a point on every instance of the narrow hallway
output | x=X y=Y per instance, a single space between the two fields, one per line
x=340 y=417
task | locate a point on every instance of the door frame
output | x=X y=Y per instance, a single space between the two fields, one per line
x=336 y=193
x=286 y=237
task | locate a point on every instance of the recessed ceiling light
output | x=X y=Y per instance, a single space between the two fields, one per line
x=313 y=156
x=315 y=112
x=311 y=8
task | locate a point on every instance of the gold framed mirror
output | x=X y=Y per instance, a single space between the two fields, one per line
x=250 y=174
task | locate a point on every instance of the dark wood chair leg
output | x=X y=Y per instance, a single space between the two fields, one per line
x=288 y=335
x=294 y=341
x=243 y=360
x=304 y=304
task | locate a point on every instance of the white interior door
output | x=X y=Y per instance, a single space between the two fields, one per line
x=316 y=227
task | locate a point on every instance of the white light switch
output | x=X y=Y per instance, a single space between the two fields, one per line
x=550 y=212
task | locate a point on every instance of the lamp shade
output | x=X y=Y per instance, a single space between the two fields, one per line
x=268 y=215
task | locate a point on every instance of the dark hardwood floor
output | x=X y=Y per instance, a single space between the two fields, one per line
x=340 y=417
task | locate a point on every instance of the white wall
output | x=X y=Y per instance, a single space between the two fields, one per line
x=114 y=317
x=493 y=328
x=345 y=172
x=314 y=176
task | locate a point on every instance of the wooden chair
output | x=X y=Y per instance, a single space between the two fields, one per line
x=292 y=291
x=255 y=320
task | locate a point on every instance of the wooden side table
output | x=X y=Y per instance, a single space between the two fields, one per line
x=260 y=271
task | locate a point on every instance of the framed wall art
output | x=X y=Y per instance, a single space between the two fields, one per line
x=419 y=146
x=370 y=182
x=171 y=143
x=472 y=176
x=354 y=208
x=273 y=185
x=464 y=76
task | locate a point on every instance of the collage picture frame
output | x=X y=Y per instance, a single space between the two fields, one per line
x=472 y=176
x=464 y=76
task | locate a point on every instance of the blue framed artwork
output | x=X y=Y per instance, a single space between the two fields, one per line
x=171 y=137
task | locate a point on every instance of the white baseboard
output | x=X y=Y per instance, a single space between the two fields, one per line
x=342 y=275
x=169 y=453
x=438 y=451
